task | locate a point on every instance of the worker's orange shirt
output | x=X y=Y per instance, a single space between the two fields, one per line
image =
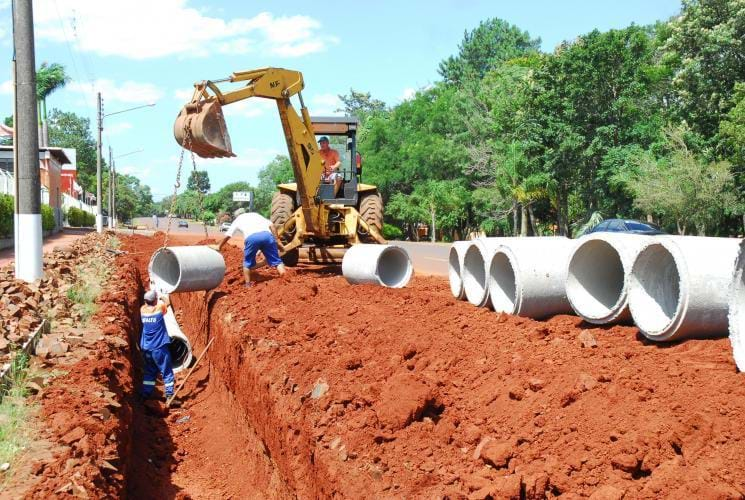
x=331 y=157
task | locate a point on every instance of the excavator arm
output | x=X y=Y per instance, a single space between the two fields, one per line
x=200 y=126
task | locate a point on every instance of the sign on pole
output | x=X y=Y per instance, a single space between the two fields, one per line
x=243 y=196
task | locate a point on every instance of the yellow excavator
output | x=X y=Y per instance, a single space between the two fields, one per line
x=315 y=220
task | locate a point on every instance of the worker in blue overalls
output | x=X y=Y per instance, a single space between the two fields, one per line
x=154 y=344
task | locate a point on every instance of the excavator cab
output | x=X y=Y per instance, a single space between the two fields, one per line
x=342 y=134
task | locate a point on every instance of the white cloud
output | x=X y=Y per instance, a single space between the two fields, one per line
x=183 y=95
x=249 y=108
x=137 y=171
x=144 y=29
x=129 y=92
x=248 y=158
x=6 y=88
x=117 y=128
x=408 y=93
x=324 y=104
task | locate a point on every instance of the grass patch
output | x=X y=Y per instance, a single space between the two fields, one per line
x=14 y=412
x=90 y=280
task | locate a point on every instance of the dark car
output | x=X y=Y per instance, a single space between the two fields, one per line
x=183 y=223
x=626 y=226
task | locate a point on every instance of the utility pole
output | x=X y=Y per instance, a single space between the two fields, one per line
x=99 y=199
x=28 y=246
x=111 y=189
x=113 y=193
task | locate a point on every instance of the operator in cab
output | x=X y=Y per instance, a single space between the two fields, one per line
x=154 y=343
x=331 y=164
x=258 y=234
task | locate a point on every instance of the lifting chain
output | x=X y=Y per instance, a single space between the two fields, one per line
x=177 y=184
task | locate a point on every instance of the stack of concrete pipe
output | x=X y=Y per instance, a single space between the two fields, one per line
x=522 y=276
x=671 y=287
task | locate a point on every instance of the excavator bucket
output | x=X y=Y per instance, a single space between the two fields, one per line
x=200 y=127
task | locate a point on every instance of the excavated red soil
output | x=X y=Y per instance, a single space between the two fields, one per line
x=88 y=411
x=316 y=388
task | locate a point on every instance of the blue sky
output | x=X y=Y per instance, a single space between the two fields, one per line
x=136 y=52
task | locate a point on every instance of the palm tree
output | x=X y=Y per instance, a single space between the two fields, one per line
x=48 y=79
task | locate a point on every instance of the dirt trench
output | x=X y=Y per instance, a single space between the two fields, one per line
x=315 y=388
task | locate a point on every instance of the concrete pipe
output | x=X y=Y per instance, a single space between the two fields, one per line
x=475 y=269
x=180 y=347
x=455 y=268
x=527 y=276
x=598 y=276
x=186 y=269
x=385 y=265
x=678 y=287
x=736 y=314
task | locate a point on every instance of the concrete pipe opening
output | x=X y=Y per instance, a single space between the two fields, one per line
x=596 y=282
x=474 y=275
x=503 y=291
x=180 y=347
x=455 y=268
x=394 y=267
x=655 y=294
x=181 y=355
x=186 y=269
x=385 y=265
x=736 y=313
x=166 y=266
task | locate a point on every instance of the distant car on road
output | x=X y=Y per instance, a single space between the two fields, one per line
x=224 y=226
x=183 y=223
x=626 y=226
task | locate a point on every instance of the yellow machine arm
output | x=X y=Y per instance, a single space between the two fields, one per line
x=200 y=126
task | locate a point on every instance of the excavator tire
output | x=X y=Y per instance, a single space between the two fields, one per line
x=283 y=206
x=371 y=211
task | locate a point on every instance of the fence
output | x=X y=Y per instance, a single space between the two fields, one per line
x=68 y=201
x=7 y=185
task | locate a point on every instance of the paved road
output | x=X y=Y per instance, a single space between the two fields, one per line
x=63 y=239
x=428 y=258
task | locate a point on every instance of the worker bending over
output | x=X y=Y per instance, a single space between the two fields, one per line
x=258 y=234
x=154 y=343
x=331 y=164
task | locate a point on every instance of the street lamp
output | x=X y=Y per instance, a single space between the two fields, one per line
x=101 y=116
x=112 y=184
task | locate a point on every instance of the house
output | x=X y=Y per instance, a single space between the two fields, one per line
x=51 y=161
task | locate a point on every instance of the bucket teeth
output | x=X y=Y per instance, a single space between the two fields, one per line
x=208 y=135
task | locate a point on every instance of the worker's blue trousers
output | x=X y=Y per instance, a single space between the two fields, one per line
x=157 y=361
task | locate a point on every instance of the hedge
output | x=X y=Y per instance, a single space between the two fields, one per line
x=6 y=216
x=391 y=232
x=7 y=209
x=48 y=222
x=80 y=218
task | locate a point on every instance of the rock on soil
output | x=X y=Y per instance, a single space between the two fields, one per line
x=417 y=381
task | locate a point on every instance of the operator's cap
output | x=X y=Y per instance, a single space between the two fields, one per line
x=150 y=296
x=323 y=138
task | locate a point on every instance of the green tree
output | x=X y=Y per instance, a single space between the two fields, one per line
x=484 y=48
x=278 y=171
x=49 y=78
x=441 y=204
x=704 y=48
x=68 y=130
x=360 y=104
x=222 y=200
x=682 y=189
x=199 y=181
